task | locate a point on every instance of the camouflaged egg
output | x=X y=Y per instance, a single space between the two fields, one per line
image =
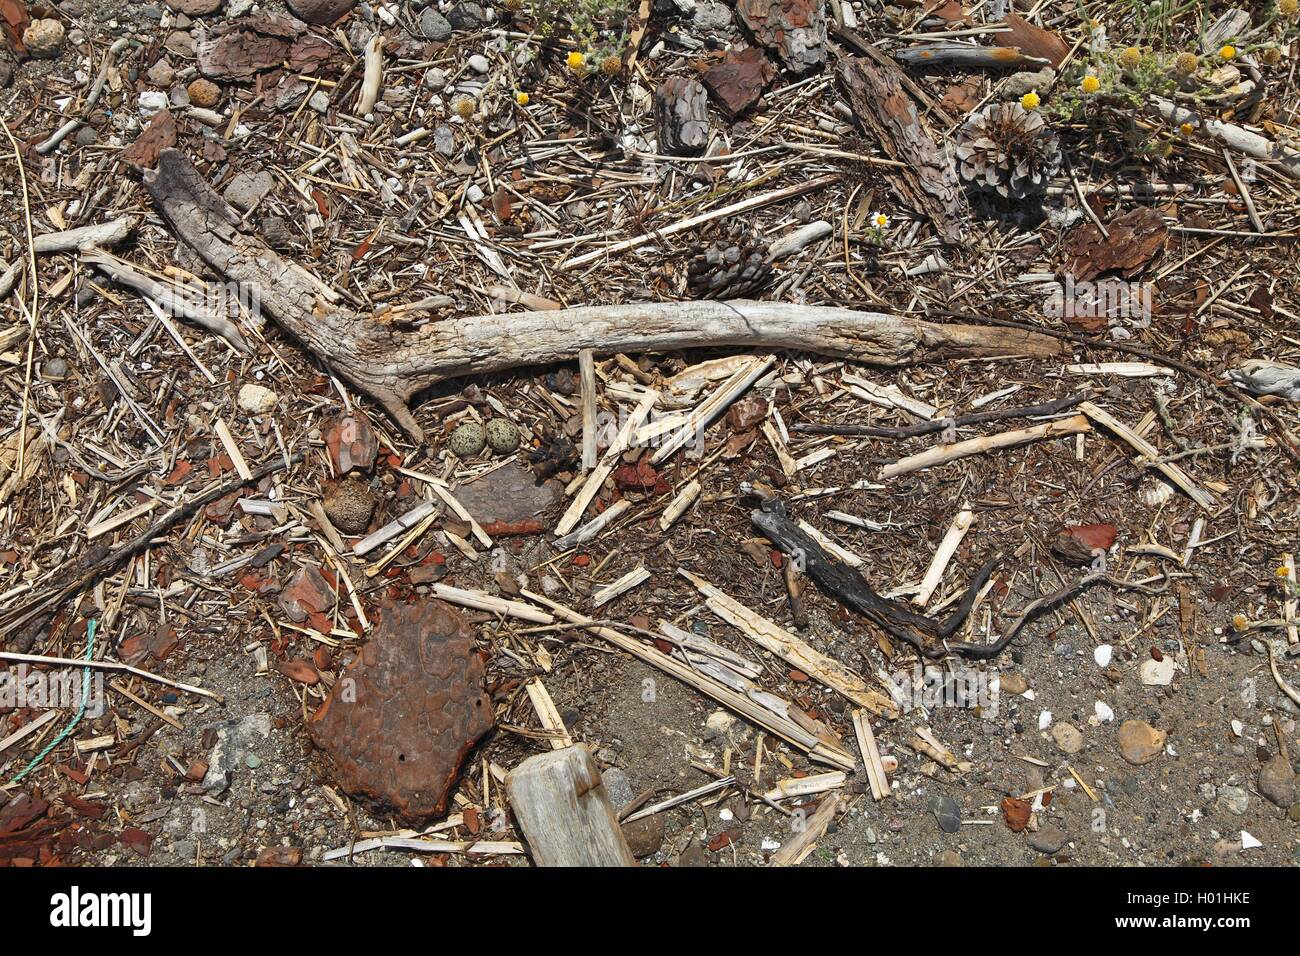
x=503 y=436
x=467 y=440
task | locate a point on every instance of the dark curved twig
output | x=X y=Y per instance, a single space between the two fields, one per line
x=925 y=635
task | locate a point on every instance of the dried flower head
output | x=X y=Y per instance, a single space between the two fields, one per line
x=611 y=65
x=464 y=107
x=1030 y=100
x=1007 y=150
x=1270 y=56
x=1090 y=84
x=1288 y=8
x=1186 y=64
x=1240 y=622
x=1130 y=58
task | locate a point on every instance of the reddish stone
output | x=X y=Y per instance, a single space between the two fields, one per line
x=737 y=82
x=351 y=442
x=1016 y=813
x=198 y=770
x=279 y=856
x=400 y=720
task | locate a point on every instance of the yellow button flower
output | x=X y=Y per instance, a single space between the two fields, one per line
x=576 y=61
x=1187 y=129
x=1090 y=84
x=1227 y=52
x=1030 y=100
x=521 y=98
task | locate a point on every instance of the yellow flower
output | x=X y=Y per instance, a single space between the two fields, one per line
x=577 y=61
x=1131 y=57
x=880 y=220
x=1090 y=84
x=1239 y=622
x=1227 y=52
x=1186 y=64
x=1283 y=572
x=1187 y=129
x=1030 y=100
x=521 y=98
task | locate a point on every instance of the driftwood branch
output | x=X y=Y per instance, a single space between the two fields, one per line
x=392 y=365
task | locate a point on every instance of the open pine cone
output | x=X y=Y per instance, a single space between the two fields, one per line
x=733 y=266
x=1008 y=150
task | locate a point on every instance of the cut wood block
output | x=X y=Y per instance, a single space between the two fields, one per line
x=560 y=802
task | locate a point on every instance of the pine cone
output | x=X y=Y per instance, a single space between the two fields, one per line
x=734 y=266
x=1008 y=150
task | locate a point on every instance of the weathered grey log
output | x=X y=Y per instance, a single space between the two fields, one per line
x=392 y=364
x=102 y=234
x=567 y=818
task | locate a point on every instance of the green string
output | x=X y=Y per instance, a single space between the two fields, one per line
x=85 y=696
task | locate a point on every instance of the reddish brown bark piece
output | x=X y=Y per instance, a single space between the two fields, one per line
x=927 y=182
x=351 y=442
x=1135 y=239
x=247 y=46
x=160 y=134
x=16 y=21
x=400 y=721
x=306 y=593
x=737 y=82
x=795 y=29
x=1033 y=40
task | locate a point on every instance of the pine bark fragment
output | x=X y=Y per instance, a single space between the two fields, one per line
x=928 y=183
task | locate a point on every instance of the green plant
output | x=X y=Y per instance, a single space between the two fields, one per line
x=599 y=28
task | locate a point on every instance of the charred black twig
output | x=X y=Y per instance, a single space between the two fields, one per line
x=925 y=634
x=939 y=424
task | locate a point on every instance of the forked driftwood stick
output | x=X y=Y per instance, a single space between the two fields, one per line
x=392 y=365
